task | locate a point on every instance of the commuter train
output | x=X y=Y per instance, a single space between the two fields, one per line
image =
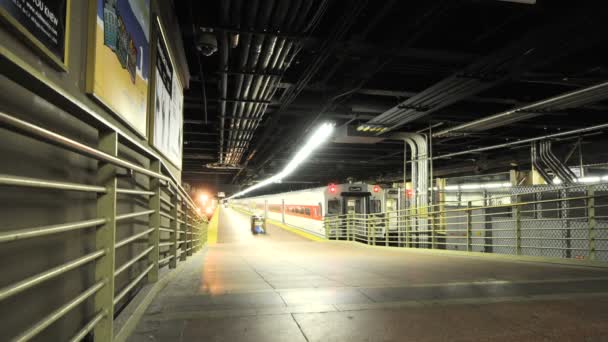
x=306 y=209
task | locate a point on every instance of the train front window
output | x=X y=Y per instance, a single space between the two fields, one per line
x=375 y=206
x=307 y=211
x=333 y=207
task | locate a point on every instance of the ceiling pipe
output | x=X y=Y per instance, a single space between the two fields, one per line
x=275 y=61
x=223 y=85
x=525 y=141
x=537 y=166
x=557 y=171
x=420 y=168
x=569 y=176
x=572 y=99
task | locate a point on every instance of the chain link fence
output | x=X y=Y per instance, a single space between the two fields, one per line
x=544 y=221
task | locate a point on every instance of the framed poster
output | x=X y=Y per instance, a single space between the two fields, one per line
x=167 y=135
x=43 y=23
x=119 y=58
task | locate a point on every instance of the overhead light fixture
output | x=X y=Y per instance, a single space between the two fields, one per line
x=366 y=127
x=320 y=135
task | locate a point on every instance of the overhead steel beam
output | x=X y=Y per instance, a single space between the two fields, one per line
x=572 y=99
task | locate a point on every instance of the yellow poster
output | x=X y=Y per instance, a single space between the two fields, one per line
x=119 y=58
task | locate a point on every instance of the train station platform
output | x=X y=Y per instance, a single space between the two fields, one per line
x=282 y=287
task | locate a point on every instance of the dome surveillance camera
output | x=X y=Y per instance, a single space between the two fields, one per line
x=206 y=43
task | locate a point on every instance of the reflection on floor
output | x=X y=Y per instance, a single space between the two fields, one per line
x=280 y=287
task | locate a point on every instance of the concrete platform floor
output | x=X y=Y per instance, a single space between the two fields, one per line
x=280 y=287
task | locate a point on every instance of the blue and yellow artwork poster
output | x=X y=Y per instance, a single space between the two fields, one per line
x=119 y=59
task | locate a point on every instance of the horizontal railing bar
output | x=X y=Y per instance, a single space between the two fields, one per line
x=134 y=192
x=73 y=145
x=82 y=333
x=491 y=245
x=549 y=247
x=165 y=215
x=47 y=184
x=53 y=138
x=132 y=261
x=551 y=238
x=165 y=259
x=47 y=230
x=135 y=214
x=167 y=202
x=167 y=230
x=165 y=244
x=132 y=284
x=133 y=238
x=57 y=314
x=32 y=281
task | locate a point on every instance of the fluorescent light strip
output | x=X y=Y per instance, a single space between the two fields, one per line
x=320 y=135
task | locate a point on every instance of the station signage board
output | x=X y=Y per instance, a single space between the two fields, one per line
x=43 y=23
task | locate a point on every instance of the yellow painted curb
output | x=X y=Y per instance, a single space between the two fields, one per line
x=295 y=230
x=285 y=227
x=212 y=228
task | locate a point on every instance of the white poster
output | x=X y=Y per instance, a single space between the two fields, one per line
x=168 y=108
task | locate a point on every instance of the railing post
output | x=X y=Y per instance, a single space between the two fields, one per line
x=153 y=238
x=174 y=226
x=370 y=235
x=592 y=222
x=384 y=222
x=518 y=225
x=105 y=238
x=433 y=230
x=408 y=239
x=184 y=229
x=469 y=227
x=190 y=233
x=348 y=225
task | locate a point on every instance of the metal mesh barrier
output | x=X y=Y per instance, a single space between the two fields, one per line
x=543 y=221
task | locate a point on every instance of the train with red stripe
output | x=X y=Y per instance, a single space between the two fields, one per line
x=306 y=209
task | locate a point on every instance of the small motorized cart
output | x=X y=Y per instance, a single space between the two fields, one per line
x=258 y=224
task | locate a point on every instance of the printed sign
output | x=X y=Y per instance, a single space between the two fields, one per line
x=168 y=107
x=119 y=59
x=43 y=22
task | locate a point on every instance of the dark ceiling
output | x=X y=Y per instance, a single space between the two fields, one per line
x=283 y=66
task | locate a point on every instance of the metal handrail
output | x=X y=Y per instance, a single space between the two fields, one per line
x=88 y=327
x=53 y=138
x=27 y=233
x=57 y=314
x=134 y=192
x=130 y=263
x=30 y=282
x=488 y=227
x=132 y=284
x=132 y=215
x=105 y=221
x=133 y=238
x=9 y=180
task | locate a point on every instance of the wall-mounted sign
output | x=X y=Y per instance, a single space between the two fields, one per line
x=221 y=194
x=393 y=192
x=119 y=58
x=355 y=188
x=44 y=23
x=168 y=103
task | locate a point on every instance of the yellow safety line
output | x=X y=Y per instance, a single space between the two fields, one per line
x=212 y=228
x=295 y=230
x=285 y=227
